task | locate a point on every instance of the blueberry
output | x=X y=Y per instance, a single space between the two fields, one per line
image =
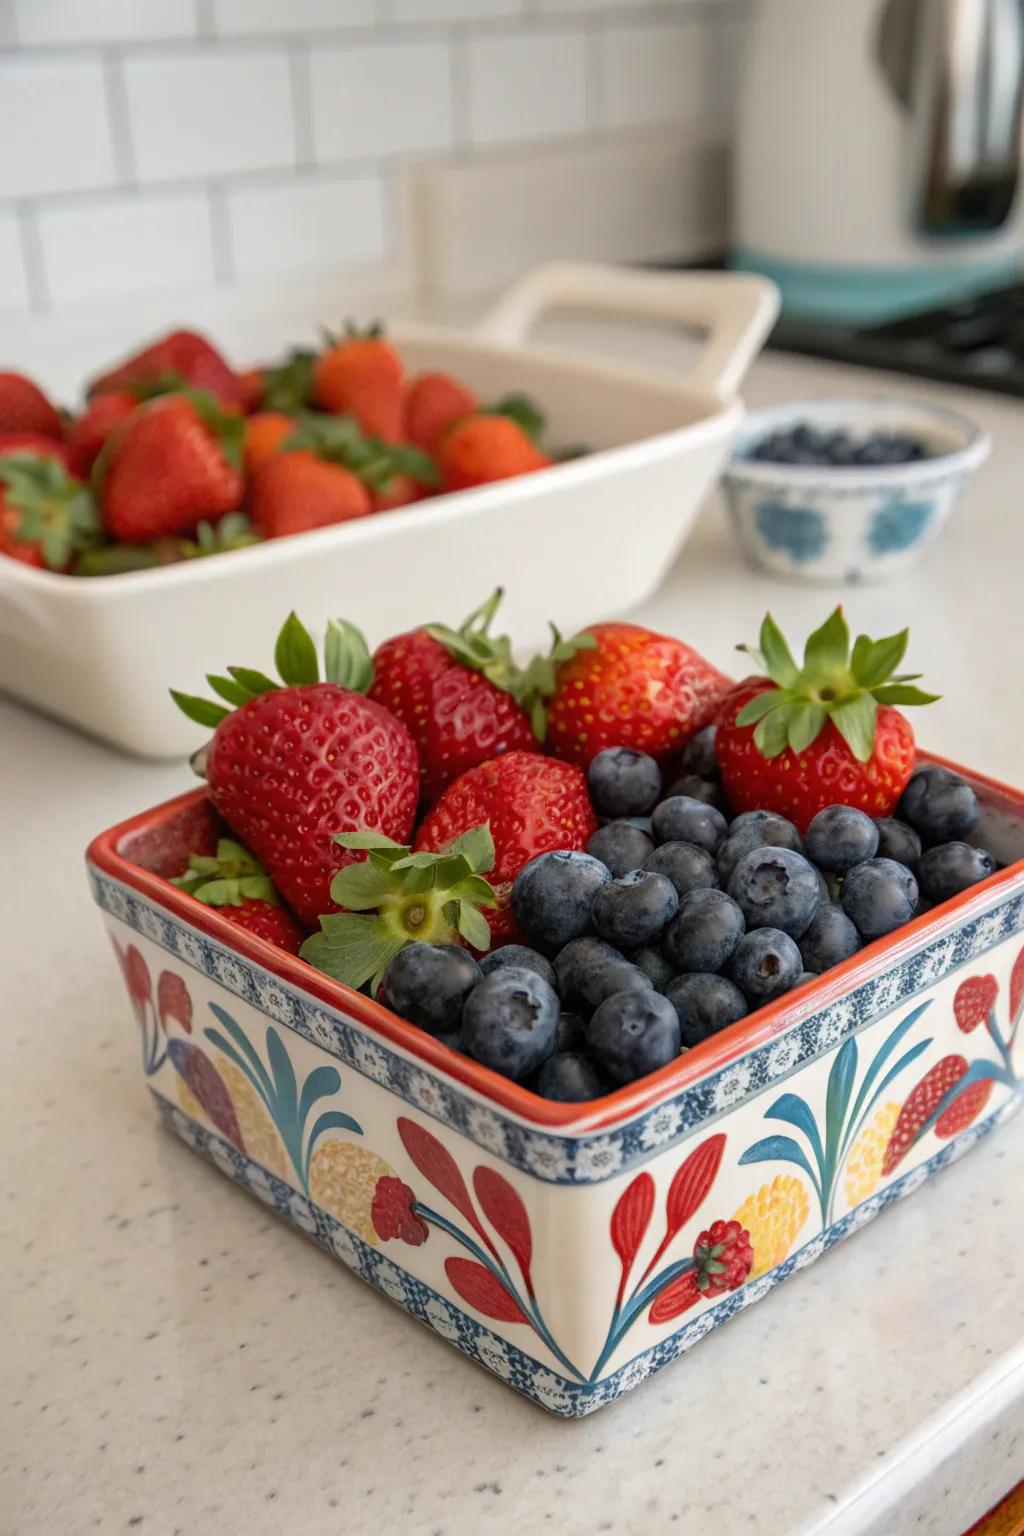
x=653 y=964
x=682 y=819
x=776 y=888
x=705 y=932
x=452 y=1038
x=620 y=847
x=633 y=1033
x=521 y=955
x=696 y=788
x=688 y=867
x=589 y=970
x=643 y=822
x=830 y=939
x=764 y=965
x=840 y=837
x=510 y=1021
x=952 y=867
x=570 y=1077
x=570 y=1032
x=755 y=829
x=897 y=840
x=805 y=977
x=623 y=782
x=428 y=985
x=553 y=894
x=833 y=885
x=705 y=1004
x=635 y=908
x=699 y=754
x=939 y=805
x=878 y=896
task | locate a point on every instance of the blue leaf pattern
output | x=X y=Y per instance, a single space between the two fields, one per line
x=799 y=532
x=899 y=525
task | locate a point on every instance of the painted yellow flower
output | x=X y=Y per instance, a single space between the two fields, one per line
x=342 y=1179
x=864 y=1164
x=773 y=1217
x=259 y=1133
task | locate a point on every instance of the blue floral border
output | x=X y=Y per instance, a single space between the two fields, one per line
x=584 y=1158
x=568 y=1399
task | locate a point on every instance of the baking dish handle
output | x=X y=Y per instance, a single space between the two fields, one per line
x=736 y=310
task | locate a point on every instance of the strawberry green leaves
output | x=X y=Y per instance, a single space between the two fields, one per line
x=346 y=662
x=340 y=440
x=834 y=683
x=55 y=510
x=227 y=878
x=395 y=897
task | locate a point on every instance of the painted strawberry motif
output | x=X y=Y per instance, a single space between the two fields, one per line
x=723 y=1257
x=975 y=998
x=920 y=1106
x=393 y=1215
x=964 y=1110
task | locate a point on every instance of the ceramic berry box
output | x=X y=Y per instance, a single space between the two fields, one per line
x=572 y=1249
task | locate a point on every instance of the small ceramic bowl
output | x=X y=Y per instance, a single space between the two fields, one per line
x=856 y=523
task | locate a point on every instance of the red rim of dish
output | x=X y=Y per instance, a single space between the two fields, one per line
x=732 y=1043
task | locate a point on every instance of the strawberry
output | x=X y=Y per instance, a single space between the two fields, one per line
x=292 y=492
x=179 y=359
x=964 y=1109
x=824 y=733
x=631 y=688
x=47 y=517
x=533 y=805
x=88 y=432
x=264 y=433
x=974 y=1000
x=232 y=531
x=484 y=448
x=24 y=408
x=459 y=693
x=294 y=763
x=240 y=888
x=252 y=385
x=175 y=462
x=723 y=1256
x=361 y=375
x=920 y=1105
x=400 y=491
x=433 y=403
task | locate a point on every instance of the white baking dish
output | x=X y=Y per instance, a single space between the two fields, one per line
x=585 y=539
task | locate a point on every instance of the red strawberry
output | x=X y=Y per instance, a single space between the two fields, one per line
x=240 y=888
x=964 y=1110
x=724 y=1255
x=975 y=998
x=179 y=359
x=433 y=403
x=400 y=491
x=293 y=765
x=920 y=1105
x=47 y=517
x=294 y=491
x=631 y=688
x=822 y=734
x=251 y=383
x=361 y=375
x=174 y=463
x=264 y=433
x=88 y=432
x=24 y=408
x=481 y=449
x=533 y=804
x=458 y=692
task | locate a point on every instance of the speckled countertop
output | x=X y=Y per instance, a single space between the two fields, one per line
x=176 y=1362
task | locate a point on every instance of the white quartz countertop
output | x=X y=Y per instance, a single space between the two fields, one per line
x=175 y=1361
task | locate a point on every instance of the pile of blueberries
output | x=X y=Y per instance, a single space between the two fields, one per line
x=836 y=448
x=680 y=919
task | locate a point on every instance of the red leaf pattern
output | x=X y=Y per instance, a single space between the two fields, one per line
x=483 y=1291
x=173 y=1001
x=1016 y=988
x=692 y=1183
x=136 y=977
x=438 y=1166
x=676 y=1298
x=630 y=1220
x=507 y=1214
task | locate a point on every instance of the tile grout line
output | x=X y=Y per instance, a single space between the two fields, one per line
x=301 y=88
x=34 y=259
x=221 y=241
x=119 y=119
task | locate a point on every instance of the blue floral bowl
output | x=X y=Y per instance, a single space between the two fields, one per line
x=856 y=523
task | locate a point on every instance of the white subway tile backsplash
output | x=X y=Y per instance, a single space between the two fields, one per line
x=658 y=73
x=14 y=295
x=526 y=87
x=209 y=112
x=380 y=99
x=126 y=244
x=54 y=128
x=313 y=223
x=235 y=17
x=102 y=21
x=452 y=10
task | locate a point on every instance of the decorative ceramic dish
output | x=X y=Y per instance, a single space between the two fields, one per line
x=658 y=442
x=561 y=1245
x=855 y=522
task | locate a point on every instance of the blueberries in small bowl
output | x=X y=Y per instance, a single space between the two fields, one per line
x=840 y=837
x=510 y=1021
x=553 y=894
x=939 y=805
x=620 y=846
x=623 y=782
